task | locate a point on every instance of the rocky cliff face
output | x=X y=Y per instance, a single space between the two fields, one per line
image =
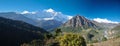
x=79 y=21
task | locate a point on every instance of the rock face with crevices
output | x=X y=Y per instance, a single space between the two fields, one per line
x=79 y=21
x=77 y=24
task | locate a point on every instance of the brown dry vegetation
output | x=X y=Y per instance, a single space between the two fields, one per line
x=111 y=42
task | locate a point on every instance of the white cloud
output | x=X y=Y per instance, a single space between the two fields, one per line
x=100 y=20
x=27 y=12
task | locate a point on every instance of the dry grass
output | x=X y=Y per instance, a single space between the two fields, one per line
x=111 y=42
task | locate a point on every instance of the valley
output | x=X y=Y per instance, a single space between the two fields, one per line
x=92 y=32
x=59 y=22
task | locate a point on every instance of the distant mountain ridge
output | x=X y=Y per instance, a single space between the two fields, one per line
x=16 y=16
x=49 y=24
x=48 y=14
x=36 y=21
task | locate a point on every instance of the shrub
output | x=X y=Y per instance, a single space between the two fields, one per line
x=58 y=32
x=71 y=40
x=104 y=39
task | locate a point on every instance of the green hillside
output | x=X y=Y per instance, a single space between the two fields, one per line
x=14 y=33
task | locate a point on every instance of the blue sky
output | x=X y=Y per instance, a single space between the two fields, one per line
x=109 y=9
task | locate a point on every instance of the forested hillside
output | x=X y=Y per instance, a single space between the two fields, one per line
x=14 y=33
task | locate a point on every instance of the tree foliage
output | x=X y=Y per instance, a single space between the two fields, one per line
x=58 y=32
x=15 y=33
x=71 y=40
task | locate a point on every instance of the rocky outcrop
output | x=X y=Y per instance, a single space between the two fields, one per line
x=79 y=21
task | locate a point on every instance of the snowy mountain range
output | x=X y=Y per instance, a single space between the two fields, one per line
x=47 y=19
x=48 y=14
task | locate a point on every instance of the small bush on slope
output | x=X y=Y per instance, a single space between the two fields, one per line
x=71 y=40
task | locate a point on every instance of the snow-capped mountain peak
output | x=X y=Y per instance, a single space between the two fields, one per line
x=69 y=17
x=47 y=14
x=49 y=10
x=104 y=20
x=27 y=12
